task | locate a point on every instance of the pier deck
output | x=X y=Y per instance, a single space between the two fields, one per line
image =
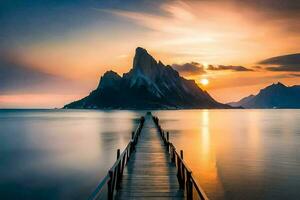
x=150 y=167
x=150 y=174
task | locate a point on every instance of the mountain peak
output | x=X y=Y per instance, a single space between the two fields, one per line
x=111 y=73
x=272 y=88
x=148 y=85
x=276 y=95
x=141 y=54
x=143 y=59
x=276 y=85
x=109 y=79
x=140 y=50
x=145 y=65
x=280 y=84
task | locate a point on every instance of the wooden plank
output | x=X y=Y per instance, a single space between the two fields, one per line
x=150 y=194
x=149 y=173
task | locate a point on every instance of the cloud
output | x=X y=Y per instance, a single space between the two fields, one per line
x=192 y=68
x=283 y=63
x=278 y=5
x=257 y=67
x=16 y=78
x=205 y=27
x=284 y=68
x=295 y=75
x=291 y=59
x=280 y=76
x=228 y=67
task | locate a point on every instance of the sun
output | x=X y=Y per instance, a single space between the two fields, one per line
x=205 y=65
x=204 y=81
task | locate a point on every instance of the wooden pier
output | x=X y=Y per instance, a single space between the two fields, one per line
x=149 y=168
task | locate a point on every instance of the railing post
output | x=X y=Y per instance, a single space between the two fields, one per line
x=118 y=170
x=168 y=143
x=128 y=152
x=189 y=186
x=110 y=190
x=184 y=175
x=118 y=154
x=132 y=134
x=179 y=173
x=172 y=154
x=123 y=163
x=182 y=169
x=132 y=146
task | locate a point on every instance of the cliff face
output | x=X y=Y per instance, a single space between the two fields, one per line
x=148 y=85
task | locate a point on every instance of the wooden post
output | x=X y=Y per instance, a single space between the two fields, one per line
x=129 y=150
x=168 y=143
x=179 y=173
x=118 y=154
x=110 y=189
x=189 y=186
x=123 y=164
x=182 y=169
x=173 y=154
x=117 y=170
x=120 y=171
x=132 y=146
x=128 y=153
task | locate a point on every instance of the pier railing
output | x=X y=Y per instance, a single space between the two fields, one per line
x=184 y=174
x=108 y=186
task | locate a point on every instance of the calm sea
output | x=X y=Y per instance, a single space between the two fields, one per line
x=234 y=154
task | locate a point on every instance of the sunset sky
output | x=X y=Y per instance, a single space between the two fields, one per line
x=53 y=52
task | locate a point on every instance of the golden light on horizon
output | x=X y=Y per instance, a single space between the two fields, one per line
x=205 y=65
x=201 y=33
x=204 y=81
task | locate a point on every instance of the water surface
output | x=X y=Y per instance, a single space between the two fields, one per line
x=240 y=154
x=58 y=154
x=234 y=154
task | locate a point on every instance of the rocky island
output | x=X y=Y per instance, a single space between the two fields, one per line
x=148 y=85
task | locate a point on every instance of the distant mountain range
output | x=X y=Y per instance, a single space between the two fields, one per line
x=273 y=96
x=148 y=85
